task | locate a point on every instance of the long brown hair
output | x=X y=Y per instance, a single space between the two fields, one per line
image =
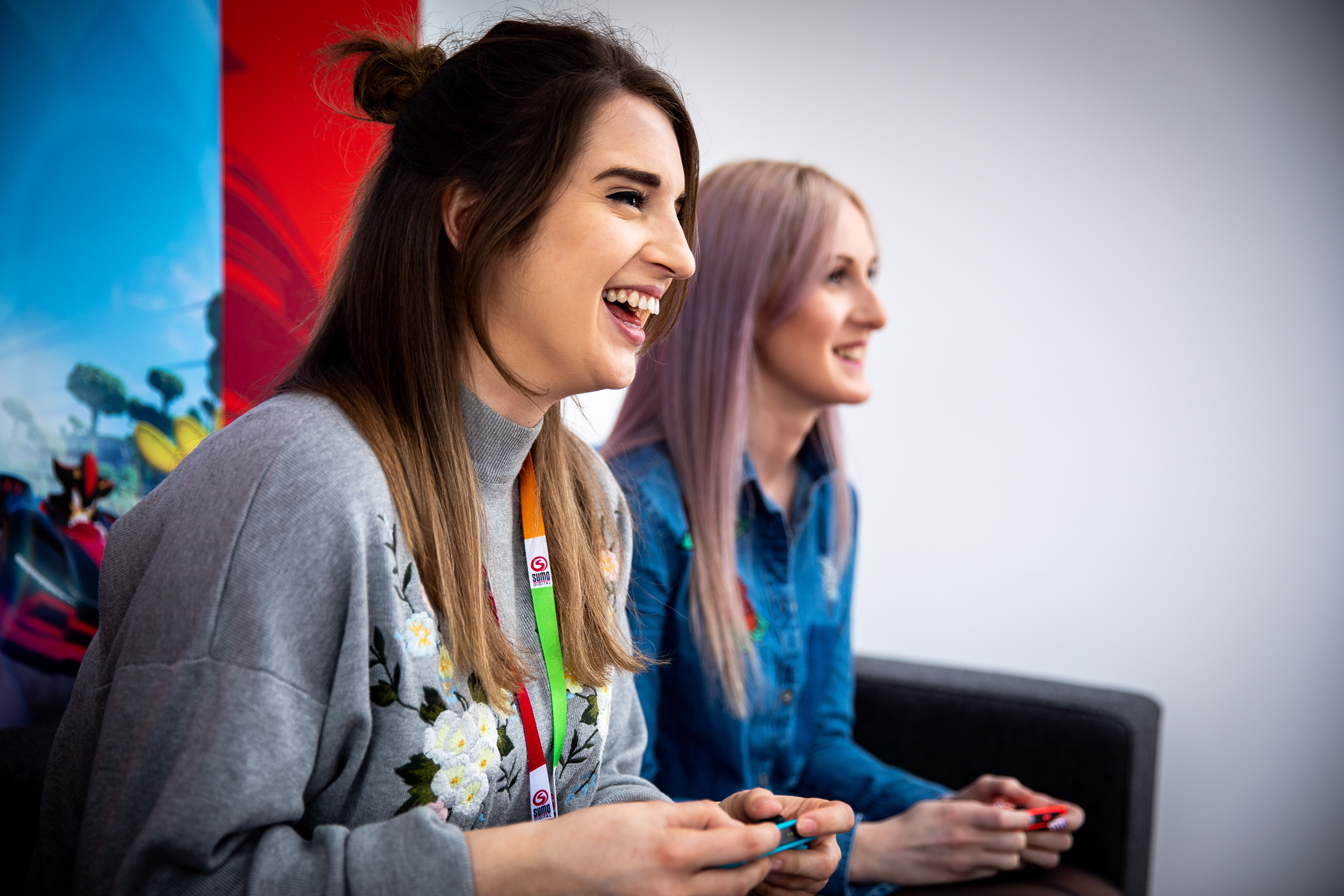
x=505 y=116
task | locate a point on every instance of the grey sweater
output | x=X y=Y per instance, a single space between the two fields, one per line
x=268 y=707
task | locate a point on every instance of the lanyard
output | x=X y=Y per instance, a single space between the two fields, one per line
x=539 y=783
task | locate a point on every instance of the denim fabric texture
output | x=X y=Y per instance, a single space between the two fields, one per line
x=797 y=737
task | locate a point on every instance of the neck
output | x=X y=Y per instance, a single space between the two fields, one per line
x=491 y=387
x=777 y=424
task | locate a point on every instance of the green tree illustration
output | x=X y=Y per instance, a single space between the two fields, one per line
x=138 y=410
x=102 y=391
x=167 y=384
x=215 y=324
x=16 y=408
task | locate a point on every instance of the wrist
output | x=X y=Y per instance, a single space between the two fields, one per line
x=503 y=859
x=863 y=855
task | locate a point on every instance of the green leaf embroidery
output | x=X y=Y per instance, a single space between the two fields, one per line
x=382 y=694
x=406 y=578
x=433 y=705
x=396 y=677
x=503 y=741
x=418 y=773
x=508 y=779
x=477 y=690
x=378 y=643
x=589 y=716
x=420 y=770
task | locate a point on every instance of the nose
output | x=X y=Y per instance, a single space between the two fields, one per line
x=868 y=309
x=668 y=248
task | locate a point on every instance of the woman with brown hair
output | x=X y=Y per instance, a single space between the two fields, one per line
x=377 y=622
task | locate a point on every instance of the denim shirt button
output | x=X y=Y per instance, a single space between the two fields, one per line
x=763 y=779
x=787 y=697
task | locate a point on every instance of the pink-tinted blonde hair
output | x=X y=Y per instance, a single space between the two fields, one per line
x=765 y=235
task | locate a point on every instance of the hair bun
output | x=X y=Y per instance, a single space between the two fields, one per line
x=390 y=73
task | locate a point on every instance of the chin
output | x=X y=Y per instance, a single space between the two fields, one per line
x=613 y=379
x=852 y=393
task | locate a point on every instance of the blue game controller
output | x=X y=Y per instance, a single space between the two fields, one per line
x=789 y=838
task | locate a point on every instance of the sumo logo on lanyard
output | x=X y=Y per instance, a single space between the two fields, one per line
x=538 y=564
x=540 y=785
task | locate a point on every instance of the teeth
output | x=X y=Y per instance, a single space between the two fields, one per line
x=851 y=353
x=634 y=298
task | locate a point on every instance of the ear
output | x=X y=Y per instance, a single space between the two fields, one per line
x=456 y=205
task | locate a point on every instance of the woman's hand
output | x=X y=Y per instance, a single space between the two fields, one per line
x=1043 y=847
x=802 y=870
x=939 y=841
x=628 y=849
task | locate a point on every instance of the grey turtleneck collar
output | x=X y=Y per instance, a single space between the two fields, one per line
x=497 y=444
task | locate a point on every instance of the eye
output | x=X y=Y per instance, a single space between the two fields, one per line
x=836 y=277
x=632 y=198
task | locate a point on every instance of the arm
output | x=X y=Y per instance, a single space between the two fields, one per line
x=232 y=700
x=656 y=565
x=837 y=767
x=627 y=742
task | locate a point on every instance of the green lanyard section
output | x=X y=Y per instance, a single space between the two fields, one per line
x=543 y=601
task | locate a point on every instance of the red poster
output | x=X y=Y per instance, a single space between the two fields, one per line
x=290 y=165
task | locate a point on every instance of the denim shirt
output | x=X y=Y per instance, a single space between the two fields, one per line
x=797 y=737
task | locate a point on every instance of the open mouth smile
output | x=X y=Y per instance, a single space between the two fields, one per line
x=851 y=353
x=637 y=300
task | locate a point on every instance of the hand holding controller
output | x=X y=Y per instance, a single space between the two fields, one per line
x=789 y=838
x=1043 y=818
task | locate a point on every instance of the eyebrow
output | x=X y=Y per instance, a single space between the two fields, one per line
x=639 y=176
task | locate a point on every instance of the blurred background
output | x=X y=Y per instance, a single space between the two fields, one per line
x=1106 y=438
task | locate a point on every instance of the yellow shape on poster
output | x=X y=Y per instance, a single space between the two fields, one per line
x=159 y=451
x=189 y=433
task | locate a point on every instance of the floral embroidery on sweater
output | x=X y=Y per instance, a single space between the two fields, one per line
x=466 y=752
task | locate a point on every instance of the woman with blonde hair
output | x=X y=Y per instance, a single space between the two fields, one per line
x=370 y=638
x=728 y=447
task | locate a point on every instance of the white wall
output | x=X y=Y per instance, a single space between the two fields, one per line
x=1107 y=437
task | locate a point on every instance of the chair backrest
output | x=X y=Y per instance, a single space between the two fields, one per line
x=1092 y=746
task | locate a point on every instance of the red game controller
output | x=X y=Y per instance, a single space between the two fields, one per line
x=1043 y=818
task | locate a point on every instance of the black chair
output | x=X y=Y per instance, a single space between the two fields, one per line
x=23 y=761
x=1091 y=746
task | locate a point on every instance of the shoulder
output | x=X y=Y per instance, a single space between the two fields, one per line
x=651 y=485
x=295 y=460
x=611 y=489
x=298 y=445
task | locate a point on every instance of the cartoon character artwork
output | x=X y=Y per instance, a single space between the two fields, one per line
x=50 y=554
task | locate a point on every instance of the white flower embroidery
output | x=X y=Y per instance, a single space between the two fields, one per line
x=603 y=710
x=611 y=567
x=830 y=579
x=487 y=756
x=572 y=684
x=446 y=741
x=472 y=790
x=419 y=636
x=481 y=719
x=448 y=781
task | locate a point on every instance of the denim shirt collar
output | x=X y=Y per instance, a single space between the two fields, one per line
x=813 y=470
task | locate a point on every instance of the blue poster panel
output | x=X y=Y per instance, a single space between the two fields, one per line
x=110 y=272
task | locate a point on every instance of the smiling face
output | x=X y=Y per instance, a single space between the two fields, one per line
x=815 y=357
x=567 y=312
